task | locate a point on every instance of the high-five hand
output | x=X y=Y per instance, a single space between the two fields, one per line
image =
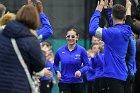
x=39 y=6
x=100 y=5
x=30 y=2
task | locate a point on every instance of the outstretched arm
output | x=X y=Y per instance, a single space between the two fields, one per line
x=46 y=30
x=129 y=20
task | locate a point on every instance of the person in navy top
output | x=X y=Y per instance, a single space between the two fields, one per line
x=116 y=40
x=74 y=63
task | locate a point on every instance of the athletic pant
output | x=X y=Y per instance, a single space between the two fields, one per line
x=70 y=88
x=129 y=84
x=46 y=86
x=136 y=85
x=109 y=85
x=90 y=87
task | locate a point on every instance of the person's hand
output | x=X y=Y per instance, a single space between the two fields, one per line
x=39 y=6
x=90 y=53
x=100 y=5
x=128 y=7
x=45 y=72
x=59 y=75
x=101 y=46
x=106 y=4
x=110 y=4
x=48 y=73
x=30 y=2
x=128 y=4
x=77 y=74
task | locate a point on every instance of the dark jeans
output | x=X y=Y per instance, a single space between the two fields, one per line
x=45 y=86
x=90 y=87
x=109 y=85
x=70 y=88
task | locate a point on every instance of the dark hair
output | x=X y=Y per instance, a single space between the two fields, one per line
x=119 y=11
x=73 y=29
x=2 y=9
x=29 y=16
x=136 y=14
x=103 y=22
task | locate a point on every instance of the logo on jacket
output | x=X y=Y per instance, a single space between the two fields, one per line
x=63 y=52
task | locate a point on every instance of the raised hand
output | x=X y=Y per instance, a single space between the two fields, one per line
x=106 y=4
x=39 y=6
x=30 y=2
x=110 y=4
x=128 y=4
x=128 y=7
x=100 y=5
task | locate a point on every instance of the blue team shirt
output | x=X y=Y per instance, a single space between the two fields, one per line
x=97 y=63
x=71 y=61
x=90 y=75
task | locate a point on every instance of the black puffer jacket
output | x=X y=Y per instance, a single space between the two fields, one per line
x=12 y=75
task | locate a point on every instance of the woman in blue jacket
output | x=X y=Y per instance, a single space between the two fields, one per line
x=74 y=63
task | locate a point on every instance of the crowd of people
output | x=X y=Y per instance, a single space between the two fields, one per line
x=111 y=65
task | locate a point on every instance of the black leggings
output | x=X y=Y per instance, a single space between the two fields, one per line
x=46 y=86
x=109 y=85
x=70 y=88
x=90 y=87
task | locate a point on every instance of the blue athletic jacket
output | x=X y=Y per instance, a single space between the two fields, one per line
x=46 y=30
x=71 y=61
x=131 y=50
x=116 y=43
x=90 y=75
x=97 y=63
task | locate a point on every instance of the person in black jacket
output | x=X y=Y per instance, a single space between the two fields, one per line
x=12 y=76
